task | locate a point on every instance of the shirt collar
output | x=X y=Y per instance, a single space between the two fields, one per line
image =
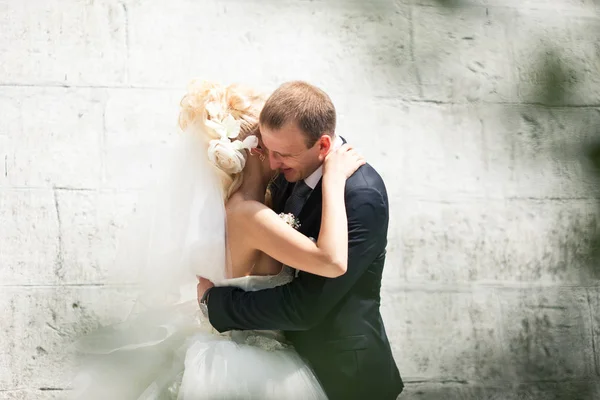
x=313 y=179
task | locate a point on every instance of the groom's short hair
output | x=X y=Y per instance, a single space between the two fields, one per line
x=300 y=102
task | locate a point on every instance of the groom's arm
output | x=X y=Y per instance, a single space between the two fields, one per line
x=304 y=302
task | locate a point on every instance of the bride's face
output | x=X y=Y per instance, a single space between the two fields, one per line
x=288 y=153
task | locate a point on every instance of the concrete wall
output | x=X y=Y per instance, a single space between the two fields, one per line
x=482 y=116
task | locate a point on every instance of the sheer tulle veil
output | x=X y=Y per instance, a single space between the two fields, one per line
x=177 y=232
x=178 y=229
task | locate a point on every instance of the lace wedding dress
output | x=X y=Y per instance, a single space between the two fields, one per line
x=175 y=354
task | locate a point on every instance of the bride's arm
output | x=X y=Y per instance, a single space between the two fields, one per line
x=327 y=257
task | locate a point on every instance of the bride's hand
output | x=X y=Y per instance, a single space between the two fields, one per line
x=342 y=162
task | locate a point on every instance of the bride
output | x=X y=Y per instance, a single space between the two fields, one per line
x=216 y=189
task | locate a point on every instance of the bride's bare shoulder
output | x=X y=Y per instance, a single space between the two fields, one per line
x=243 y=209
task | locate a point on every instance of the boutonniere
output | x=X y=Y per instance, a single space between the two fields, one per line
x=290 y=219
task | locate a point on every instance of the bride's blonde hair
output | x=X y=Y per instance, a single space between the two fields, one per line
x=242 y=103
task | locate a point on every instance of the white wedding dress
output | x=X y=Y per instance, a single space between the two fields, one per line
x=169 y=350
x=176 y=354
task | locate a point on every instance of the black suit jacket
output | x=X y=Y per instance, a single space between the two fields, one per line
x=333 y=323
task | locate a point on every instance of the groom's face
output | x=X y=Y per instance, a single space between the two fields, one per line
x=289 y=154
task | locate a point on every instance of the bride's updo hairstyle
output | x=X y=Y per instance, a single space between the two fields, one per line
x=227 y=119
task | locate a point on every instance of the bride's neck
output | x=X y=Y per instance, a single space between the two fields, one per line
x=254 y=184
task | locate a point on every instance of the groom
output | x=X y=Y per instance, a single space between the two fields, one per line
x=335 y=324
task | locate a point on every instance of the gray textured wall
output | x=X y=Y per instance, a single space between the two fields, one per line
x=482 y=116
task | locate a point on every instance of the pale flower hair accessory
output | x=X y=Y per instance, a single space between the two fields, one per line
x=227 y=155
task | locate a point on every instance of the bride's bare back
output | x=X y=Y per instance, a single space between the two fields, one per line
x=243 y=257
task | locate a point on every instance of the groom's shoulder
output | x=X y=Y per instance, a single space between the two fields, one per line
x=365 y=177
x=367 y=180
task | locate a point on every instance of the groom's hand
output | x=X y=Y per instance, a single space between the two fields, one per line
x=203 y=285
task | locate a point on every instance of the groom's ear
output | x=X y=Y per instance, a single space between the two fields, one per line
x=325 y=145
